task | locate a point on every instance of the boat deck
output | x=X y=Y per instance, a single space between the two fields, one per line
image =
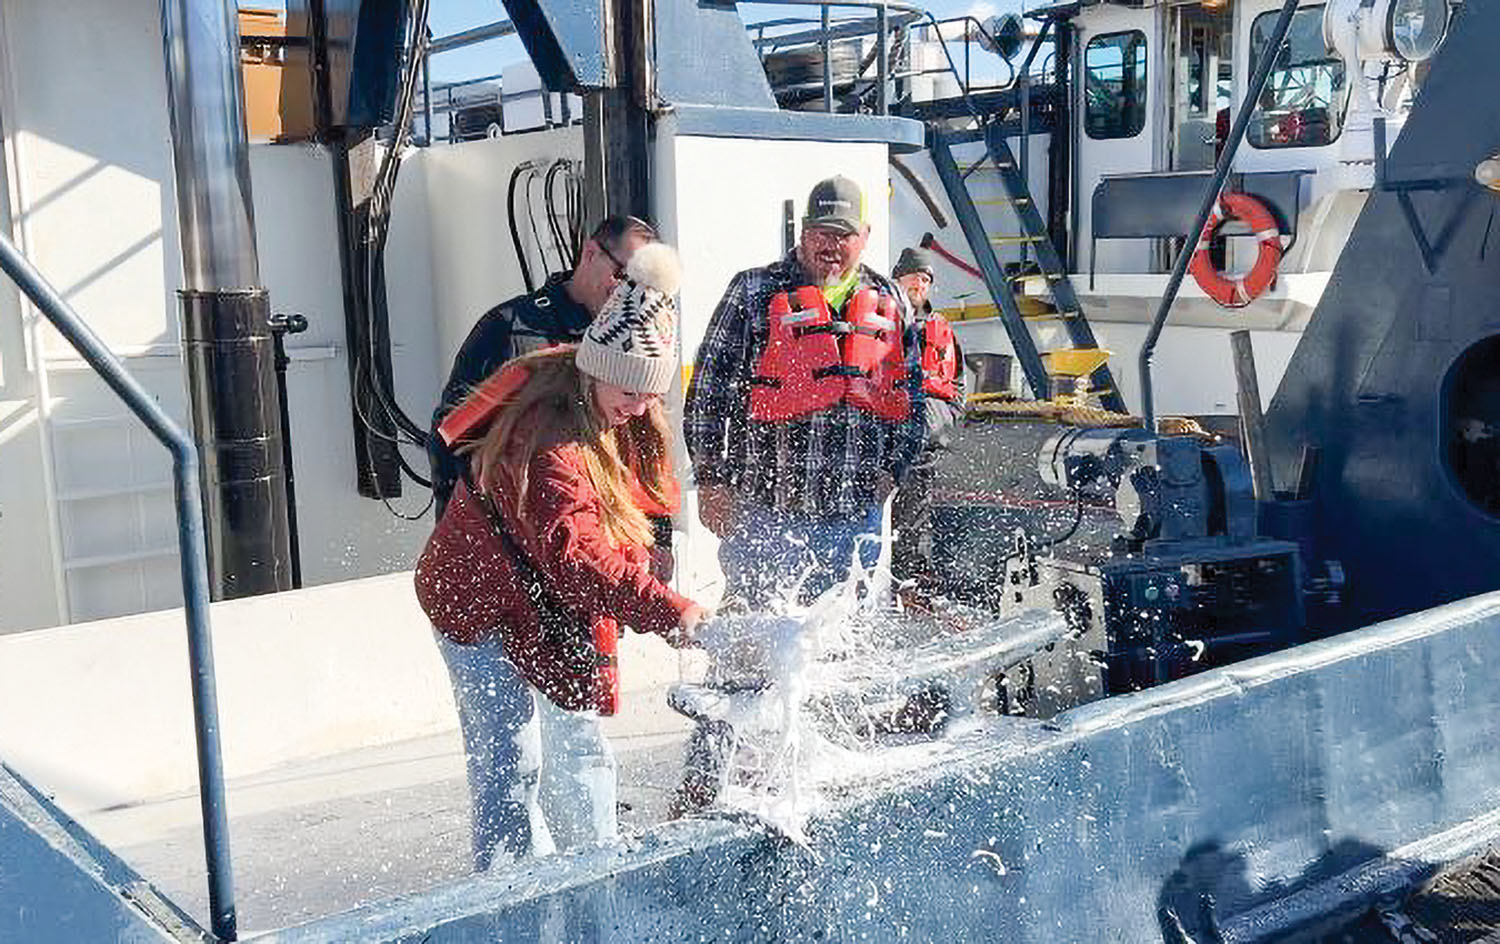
x=321 y=837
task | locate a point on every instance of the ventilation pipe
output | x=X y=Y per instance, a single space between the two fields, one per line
x=226 y=334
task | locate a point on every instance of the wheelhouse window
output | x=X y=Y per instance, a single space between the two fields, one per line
x=1114 y=78
x=1305 y=96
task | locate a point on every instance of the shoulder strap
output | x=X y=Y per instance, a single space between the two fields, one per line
x=536 y=588
x=538 y=315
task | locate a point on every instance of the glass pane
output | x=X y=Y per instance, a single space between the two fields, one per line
x=1305 y=96
x=1114 y=68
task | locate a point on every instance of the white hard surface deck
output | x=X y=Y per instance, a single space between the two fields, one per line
x=320 y=837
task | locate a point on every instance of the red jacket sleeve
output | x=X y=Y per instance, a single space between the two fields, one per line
x=588 y=575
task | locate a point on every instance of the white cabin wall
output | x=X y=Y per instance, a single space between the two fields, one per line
x=26 y=535
x=343 y=535
x=90 y=179
x=91 y=191
x=472 y=259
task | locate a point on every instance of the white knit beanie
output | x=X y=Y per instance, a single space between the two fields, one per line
x=632 y=342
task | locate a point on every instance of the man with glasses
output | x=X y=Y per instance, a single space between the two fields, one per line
x=556 y=313
x=804 y=410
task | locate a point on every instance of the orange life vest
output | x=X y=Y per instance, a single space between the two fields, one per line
x=939 y=359
x=814 y=358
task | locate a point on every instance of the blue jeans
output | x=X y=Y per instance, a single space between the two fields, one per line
x=541 y=779
x=769 y=550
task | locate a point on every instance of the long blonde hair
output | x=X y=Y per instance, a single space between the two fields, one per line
x=553 y=407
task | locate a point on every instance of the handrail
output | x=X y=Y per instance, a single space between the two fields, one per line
x=882 y=8
x=194 y=566
x=1210 y=198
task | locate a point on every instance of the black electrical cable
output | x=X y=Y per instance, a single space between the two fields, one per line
x=1072 y=530
x=515 y=233
x=575 y=209
x=536 y=233
x=375 y=289
x=554 y=221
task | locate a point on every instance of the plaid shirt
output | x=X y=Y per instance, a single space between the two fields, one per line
x=824 y=464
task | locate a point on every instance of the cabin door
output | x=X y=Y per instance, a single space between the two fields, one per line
x=1119 y=114
x=1202 y=83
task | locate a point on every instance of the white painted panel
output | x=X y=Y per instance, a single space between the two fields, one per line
x=1097 y=158
x=27 y=596
x=96 y=177
x=343 y=535
x=472 y=258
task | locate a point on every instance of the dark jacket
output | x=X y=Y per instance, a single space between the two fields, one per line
x=518 y=326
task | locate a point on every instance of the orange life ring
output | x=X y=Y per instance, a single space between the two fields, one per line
x=1237 y=291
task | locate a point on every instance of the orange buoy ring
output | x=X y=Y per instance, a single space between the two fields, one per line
x=1237 y=291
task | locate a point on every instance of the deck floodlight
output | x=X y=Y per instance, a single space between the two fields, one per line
x=1400 y=30
x=1487 y=172
x=1006 y=33
x=1415 y=28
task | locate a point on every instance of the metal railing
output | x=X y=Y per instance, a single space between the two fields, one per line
x=882 y=26
x=194 y=566
x=1210 y=199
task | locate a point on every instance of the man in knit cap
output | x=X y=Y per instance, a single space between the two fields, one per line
x=943 y=383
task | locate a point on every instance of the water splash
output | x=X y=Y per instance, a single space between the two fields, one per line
x=815 y=694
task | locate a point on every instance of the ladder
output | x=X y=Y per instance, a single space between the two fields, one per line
x=1064 y=306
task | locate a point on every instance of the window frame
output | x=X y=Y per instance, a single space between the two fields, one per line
x=1342 y=96
x=1143 y=99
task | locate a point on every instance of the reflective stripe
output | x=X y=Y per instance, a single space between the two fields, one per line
x=797 y=317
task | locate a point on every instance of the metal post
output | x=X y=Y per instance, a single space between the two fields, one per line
x=225 y=334
x=882 y=68
x=1060 y=151
x=1025 y=162
x=427 y=93
x=192 y=551
x=281 y=326
x=968 y=79
x=1210 y=197
x=1252 y=420
x=617 y=153
x=827 y=64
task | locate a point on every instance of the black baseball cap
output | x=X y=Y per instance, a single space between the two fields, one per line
x=836 y=203
x=914 y=260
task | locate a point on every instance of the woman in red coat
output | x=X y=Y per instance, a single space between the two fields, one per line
x=543 y=553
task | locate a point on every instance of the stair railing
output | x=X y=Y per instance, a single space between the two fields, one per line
x=883 y=9
x=194 y=566
x=1210 y=199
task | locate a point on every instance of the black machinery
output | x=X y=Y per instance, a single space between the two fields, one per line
x=1147 y=545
